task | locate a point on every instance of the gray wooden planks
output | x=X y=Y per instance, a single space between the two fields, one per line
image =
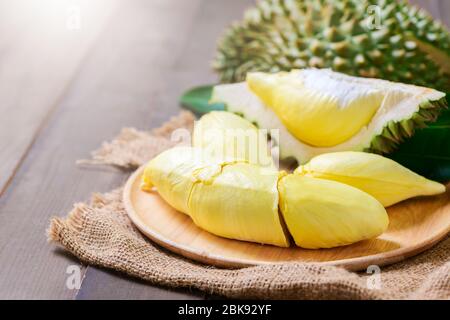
x=104 y=284
x=39 y=54
x=65 y=96
x=124 y=81
x=191 y=67
x=112 y=89
x=38 y=58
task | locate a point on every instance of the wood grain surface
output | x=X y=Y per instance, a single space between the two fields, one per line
x=64 y=90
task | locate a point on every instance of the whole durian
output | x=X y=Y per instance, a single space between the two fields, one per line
x=386 y=39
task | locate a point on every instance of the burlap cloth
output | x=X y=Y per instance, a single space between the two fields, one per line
x=100 y=233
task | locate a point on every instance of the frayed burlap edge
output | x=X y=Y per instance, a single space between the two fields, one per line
x=100 y=233
x=132 y=147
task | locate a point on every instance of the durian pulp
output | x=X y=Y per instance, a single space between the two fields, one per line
x=239 y=202
x=228 y=136
x=233 y=199
x=401 y=102
x=321 y=213
x=171 y=172
x=319 y=109
x=382 y=178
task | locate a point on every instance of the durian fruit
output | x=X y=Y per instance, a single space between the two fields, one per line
x=231 y=199
x=386 y=39
x=323 y=213
x=321 y=111
x=228 y=136
x=383 y=178
x=238 y=200
x=171 y=171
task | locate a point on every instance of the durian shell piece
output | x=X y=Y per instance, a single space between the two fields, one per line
x=414 y=107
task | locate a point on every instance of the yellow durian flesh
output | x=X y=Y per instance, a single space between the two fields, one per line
x=242 y=201
x=383 y=178
x=322 y=109
x=238 y=201
x=232 y=199
x=324 y=214
x=230 y=137
x=171 y=173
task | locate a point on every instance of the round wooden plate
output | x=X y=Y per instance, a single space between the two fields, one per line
x=415 y=225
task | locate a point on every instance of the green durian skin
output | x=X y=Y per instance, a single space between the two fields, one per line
x=386 y=39
x=394 y=133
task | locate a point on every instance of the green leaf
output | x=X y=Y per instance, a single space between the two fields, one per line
x=197 y=100
x=428 y=151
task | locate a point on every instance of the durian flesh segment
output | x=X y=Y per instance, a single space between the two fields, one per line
x=171 y=173
x=319 y=108
x=323 y=214
x=230 y=137
x=230 y=199
x=239 y=201
x=240 y=99
x=383 y=178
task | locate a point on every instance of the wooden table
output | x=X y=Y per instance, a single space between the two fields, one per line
x=72 y=74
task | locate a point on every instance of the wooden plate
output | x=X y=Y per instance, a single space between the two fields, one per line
x=415 y=225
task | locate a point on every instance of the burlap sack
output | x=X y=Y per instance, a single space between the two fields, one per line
x=100 y=233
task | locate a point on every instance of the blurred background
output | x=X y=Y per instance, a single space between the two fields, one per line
x=72 y=74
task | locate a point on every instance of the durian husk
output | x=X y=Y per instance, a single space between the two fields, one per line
x=407 y=45
x=395 y=132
